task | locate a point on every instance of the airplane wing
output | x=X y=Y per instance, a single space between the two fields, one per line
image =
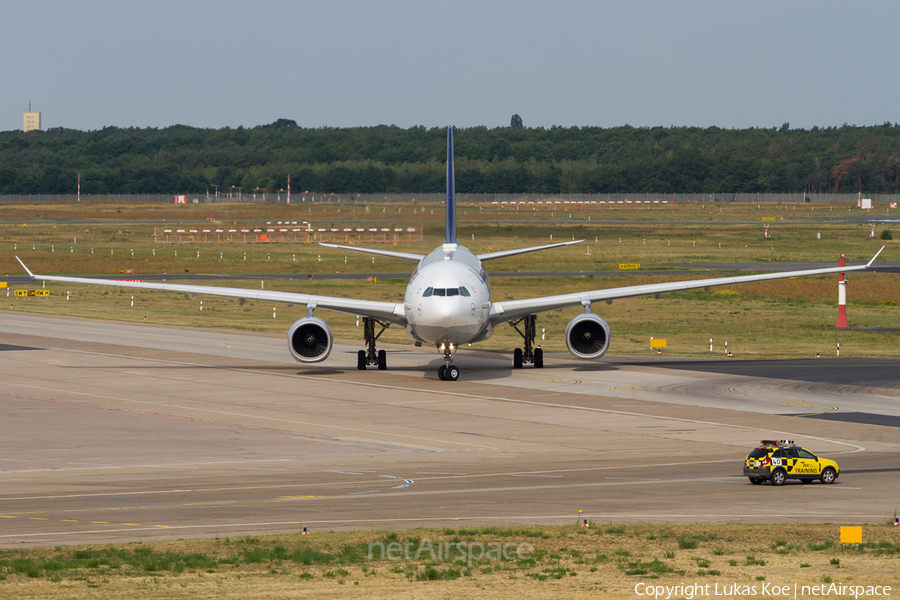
x=385 y=311
x=505 y=253
x=392 y=254
x=510 y=310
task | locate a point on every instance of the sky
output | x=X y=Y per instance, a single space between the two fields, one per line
x=340 y=63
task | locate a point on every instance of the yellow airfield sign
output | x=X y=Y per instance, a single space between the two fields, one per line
x=37 y=293
x=628 y=266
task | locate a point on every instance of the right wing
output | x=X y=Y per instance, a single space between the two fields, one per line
x=510 y=310
x=385 y=311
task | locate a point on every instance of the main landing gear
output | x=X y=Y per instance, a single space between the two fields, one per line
x=370 y=356
x=530 y=354
x=448 y=371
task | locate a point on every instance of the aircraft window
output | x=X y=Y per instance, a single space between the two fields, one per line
x=440 y=292
x=453 y=291
x=464 y=292
x=427 y=292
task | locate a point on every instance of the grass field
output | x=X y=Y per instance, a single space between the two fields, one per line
x=792 y=318
x=602 y=561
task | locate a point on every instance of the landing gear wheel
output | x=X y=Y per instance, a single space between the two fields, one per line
x=382 y=360
x=517 y=358
x=361 y=360
x=828 y=475
x=755 y=480
x=441 y=372
x=451 y=373
x=778 y=477
x=538 y=359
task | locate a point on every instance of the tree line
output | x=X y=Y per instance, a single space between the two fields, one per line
x=390 y=159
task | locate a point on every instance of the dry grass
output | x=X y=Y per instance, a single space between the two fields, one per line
x=603 y=561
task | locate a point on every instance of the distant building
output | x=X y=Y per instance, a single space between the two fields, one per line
x=31 y=120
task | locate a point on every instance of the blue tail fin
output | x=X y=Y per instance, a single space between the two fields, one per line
x=450 y=228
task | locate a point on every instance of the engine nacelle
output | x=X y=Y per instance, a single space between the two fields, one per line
x=310 y=340
x=587 y=336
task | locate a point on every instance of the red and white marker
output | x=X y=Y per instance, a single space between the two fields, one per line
x=842 y=297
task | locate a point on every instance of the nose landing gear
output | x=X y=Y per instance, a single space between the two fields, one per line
x=448 y=371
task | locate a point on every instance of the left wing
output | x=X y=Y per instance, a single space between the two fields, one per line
x=516 y=309
x=386 y=311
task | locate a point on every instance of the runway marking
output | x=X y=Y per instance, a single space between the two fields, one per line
x=260 y=469
x=544 y=395
x=294 y=497
x=535 y=475
x=441 y=478
x=69 y=520
x=833 y=408
x=411 y=402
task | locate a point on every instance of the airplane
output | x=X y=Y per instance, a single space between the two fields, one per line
x=447 y=302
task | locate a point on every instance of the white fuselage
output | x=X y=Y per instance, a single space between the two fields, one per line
x=447 y=301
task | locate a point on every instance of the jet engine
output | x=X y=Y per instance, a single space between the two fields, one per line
x=310 y=340
x=587 y=336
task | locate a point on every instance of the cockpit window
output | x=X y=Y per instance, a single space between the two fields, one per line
x=460 y=291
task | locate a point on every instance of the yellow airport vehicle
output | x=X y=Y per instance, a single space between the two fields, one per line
x=776 y=461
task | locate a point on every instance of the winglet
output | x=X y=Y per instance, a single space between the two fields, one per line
x=450 y=227
x=869 y=264
x=30 y=274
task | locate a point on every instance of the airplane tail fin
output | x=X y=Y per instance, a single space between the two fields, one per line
x=450 y=228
